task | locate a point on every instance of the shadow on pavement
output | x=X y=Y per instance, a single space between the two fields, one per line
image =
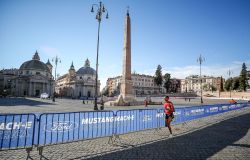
x=21 y=101
x=200 y=144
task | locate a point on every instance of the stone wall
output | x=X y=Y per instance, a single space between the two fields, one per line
x=237 y=95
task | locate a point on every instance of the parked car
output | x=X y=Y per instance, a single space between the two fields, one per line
x=44 y=95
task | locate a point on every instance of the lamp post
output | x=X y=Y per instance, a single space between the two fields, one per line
x=229 y=72
x=100 y=10
x=200 y=60
x=56 y=60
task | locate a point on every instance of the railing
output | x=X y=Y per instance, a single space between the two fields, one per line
x=135 y=120
x=57 y=128
x=26 y=130
x=17 y=131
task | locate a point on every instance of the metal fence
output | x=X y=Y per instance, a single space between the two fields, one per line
x=17 y=131
x=57 y=128
x=26 y=130
x=135 y=120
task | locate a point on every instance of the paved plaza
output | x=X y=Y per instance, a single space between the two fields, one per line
x=37 y=105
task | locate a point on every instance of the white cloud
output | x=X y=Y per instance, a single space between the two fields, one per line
x=215 y=70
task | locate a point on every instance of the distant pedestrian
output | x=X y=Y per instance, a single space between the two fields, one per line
x=169 y=113
x=232 y=101
x=145 y=102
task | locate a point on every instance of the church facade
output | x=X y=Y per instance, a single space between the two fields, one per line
x=78 y=84
x=31 y=79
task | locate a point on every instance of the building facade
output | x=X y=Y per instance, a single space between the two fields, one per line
x=31 y=79
x=141 y=85
x=77 y=84
x=209 y=83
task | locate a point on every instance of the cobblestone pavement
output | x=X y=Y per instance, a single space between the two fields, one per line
x=223 y=136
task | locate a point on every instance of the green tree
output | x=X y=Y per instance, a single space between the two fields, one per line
x=228 y=84
x=221 y=84
x=236 y=83
x=205 y=87
x=167 y=81
x=243 y=77
x=213 y=88
x=105 y=91
x=158 y=77
x=117 y=90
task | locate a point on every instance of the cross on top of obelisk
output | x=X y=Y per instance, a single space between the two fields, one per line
x=127 y=10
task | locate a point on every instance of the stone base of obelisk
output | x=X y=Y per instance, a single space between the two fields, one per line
x=127 y=100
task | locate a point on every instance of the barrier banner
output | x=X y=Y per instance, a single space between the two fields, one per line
x=135 y=120
x=212 y=109
x=148 y=119
x=25 y=130
x=195 y=112
x=178 y=116
x=65 y=127
x=16 y=130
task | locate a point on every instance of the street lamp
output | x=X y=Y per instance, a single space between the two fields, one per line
x=56 y=60
x=200 y=60
x=186 y=83
x=229 y=72
x=100 y=10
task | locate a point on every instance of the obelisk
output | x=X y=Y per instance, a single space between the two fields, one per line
x=126 y=93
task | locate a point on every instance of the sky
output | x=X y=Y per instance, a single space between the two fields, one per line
x=170 y=33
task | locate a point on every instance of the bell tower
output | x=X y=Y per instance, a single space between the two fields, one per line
x=49 y=65
x=72 y=70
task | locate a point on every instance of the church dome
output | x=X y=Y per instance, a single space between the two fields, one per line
x=86 y=69
x=35 y=63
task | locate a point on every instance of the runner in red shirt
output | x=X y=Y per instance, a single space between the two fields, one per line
x=169 y=112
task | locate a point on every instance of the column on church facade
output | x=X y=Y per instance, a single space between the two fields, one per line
x=43 y=87
x=34 y=88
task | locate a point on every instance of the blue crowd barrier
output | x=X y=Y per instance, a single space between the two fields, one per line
x=178 y=117
x=135 y=120
x=57 y=128
x=25 y=130
x=195 y=112
x=17 y=131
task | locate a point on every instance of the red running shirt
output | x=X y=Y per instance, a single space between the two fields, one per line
x=168 y=108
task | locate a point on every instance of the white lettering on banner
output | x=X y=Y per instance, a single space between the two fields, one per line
x=60 y=126
x=177 y=113
x=147 y=118
x=232 y=106
x=15 y=125
x=224 y=108
x=197 y=111
x=214 y=109
x=160 y=114
x=107 y=119
x=14 y=134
